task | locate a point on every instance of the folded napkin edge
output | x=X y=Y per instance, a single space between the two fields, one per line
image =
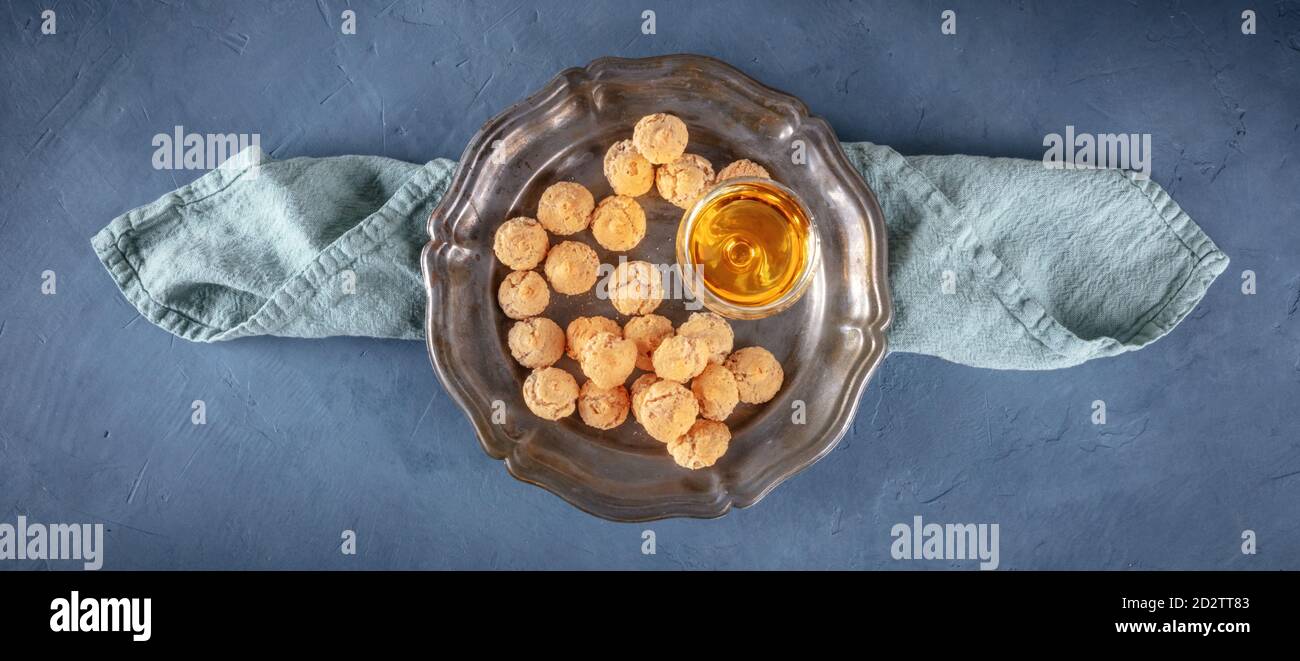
x=1210 y=263
x=368 y=234
x=276 y=311
x=1038 y=323
x=108 y=244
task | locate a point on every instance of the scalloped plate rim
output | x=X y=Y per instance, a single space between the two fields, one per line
x=866 y=360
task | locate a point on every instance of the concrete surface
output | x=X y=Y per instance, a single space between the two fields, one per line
x=305 y=439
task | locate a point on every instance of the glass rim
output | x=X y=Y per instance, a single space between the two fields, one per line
x=700 y=290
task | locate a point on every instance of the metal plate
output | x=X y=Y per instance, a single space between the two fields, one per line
x=829 y=343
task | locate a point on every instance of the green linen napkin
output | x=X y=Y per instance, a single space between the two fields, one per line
x=994 y=262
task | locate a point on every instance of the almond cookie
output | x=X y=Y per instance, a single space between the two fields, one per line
x=565 y=208
x=536 y=342
x=523 y=294
x=583 y=328
x=607 y=359
x=715 y=389
x=628 y=172
x=660 y=137
x=713 y=331
x=639 y=386
x=647 y=332
x=636 y=288
x=571 y=267
x=701 y=446
x=758 y=374
x=743 y=168
x=680 y=358
x=520 y=243
x=684 y=180
x=618 y=223
x=602 y=408
x=668 y=410
x=550 y=393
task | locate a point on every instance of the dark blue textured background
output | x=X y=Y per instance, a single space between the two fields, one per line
x=308 y=438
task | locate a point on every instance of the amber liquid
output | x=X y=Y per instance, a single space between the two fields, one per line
x=750 y=244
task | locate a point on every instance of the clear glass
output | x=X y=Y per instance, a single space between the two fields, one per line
x=692 y=273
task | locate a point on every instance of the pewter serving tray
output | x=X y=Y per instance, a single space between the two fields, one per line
x=829 y=343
